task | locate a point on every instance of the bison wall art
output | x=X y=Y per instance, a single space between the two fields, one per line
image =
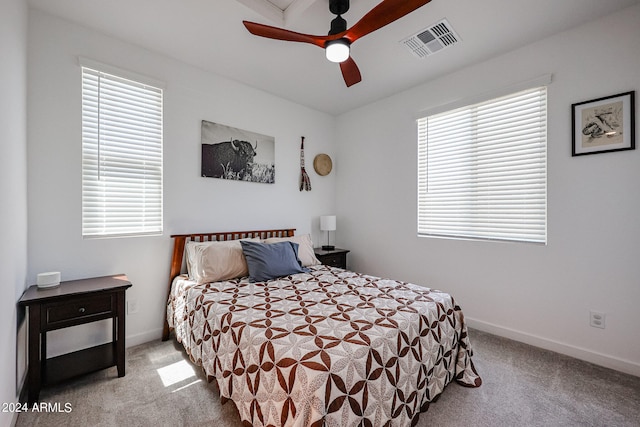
x=231 y=153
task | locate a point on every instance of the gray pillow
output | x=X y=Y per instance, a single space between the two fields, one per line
x=270 y=261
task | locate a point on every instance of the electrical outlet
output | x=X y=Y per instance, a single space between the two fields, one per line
x=597 y=319
x=132 y=306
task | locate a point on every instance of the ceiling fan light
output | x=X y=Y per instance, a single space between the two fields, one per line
x=337 y=50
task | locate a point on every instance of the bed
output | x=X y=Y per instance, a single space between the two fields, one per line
x=321 y=347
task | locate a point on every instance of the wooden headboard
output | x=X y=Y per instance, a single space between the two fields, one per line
x=180 y=240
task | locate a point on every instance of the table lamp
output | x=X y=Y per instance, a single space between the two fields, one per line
x=328 y=224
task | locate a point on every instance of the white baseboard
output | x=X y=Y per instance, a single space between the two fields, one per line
x=608 y=361
x=144 y=337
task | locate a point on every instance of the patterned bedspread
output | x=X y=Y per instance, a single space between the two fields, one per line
x=331 y=347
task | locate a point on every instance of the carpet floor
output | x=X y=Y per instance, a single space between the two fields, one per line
x=522 y=386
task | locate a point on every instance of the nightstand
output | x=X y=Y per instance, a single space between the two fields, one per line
x=74 y=302
x=334 y=258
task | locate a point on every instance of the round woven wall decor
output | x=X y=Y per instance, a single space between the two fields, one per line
x=322 y=164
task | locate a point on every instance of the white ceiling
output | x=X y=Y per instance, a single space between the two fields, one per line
x=209 y=34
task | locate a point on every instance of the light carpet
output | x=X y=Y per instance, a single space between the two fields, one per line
x=522 y=386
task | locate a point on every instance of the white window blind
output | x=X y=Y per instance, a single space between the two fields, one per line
x=482 y=170
x=121 y=156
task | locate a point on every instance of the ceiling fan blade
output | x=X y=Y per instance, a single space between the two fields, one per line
x=282 y=34
x=384 y=13
x=350 y=72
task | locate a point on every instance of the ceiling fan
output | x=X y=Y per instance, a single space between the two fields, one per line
x=337 y=43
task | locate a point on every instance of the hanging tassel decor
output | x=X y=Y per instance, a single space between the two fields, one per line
x=305 y=182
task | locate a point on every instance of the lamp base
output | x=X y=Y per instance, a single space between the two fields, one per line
x=328 y=248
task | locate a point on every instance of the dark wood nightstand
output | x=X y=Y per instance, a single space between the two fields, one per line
x=334 y=258
x=74 y=302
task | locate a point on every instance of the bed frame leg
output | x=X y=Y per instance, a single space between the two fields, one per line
x=165 y=331
x=176 y=265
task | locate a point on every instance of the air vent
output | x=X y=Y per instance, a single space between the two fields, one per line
x=432 y=39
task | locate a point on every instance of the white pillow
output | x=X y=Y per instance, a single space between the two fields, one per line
x=305 y=249
x=215 y=261
x=190 y=252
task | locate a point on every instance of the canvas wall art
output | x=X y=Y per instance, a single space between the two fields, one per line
x=237 y=154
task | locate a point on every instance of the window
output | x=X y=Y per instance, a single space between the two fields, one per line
x=121 y=155
x=482 y=170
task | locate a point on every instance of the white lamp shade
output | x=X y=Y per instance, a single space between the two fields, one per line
x=337 y=51
x=328 y=223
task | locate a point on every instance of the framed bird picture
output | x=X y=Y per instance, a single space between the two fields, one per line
x=604 y=124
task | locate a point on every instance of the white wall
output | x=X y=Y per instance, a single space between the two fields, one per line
x=191 y=203
x=537 y=294
x=13 y=187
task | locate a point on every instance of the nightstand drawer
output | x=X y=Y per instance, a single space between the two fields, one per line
x=333 y=258
x=338 y=260
x=78 y=309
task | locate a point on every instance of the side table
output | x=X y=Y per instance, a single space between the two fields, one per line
x=74 y=302
x=335 y=258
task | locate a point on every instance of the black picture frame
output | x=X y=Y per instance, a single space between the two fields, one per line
x=236 y=154
x=603 y=125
